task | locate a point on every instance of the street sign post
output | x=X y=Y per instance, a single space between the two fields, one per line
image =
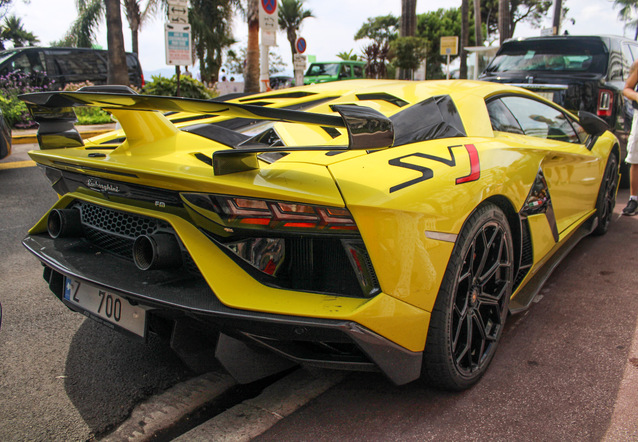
x=300 y=45
x=268 y=15
x=178 y=11
x=268 y=23
x=178 y=44
x=299 y=62
x=449 y=46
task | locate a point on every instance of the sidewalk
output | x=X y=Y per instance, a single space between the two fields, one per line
x=28 y=136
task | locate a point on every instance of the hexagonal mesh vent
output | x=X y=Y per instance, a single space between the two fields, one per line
x=120 y=223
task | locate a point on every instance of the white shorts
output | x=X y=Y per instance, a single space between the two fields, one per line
x=632 y=141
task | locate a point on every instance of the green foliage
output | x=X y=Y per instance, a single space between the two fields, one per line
x=291 y=15
x=408 y=52
x=433 y=25
x=381 y=29
x=189 y=87
x=235 y=62
x=91 y=115
x=14 y=109
x=210 y=21
x=627 y=11
x=347 y=55
x=13 y=30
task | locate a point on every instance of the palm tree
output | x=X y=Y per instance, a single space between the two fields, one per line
x=13 y=30
x=478 y=28
x=136 y=15
x=628 y=10
x=503 y=20
x=407 y=29
x=291 y=14
x=251 y=76
x=117 y=71
x=465 y=28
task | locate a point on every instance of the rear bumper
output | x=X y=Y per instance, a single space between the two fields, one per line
x=186 y=295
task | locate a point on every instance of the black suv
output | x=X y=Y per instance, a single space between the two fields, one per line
x=66 y=65
x=577 y=72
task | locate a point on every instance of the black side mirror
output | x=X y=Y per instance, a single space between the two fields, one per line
x=592 y=124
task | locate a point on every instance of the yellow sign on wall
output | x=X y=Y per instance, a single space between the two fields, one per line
x=449 y=45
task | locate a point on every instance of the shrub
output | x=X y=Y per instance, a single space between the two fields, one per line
x=15 y=110
x=88 y=115
x=189 y=87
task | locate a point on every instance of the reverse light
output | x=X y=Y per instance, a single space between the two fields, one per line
x=276 y=215
x=605 y=102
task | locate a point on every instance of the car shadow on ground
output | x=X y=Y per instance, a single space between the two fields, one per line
x=107 y=373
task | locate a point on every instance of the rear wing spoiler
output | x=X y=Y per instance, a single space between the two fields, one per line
x=53 y=111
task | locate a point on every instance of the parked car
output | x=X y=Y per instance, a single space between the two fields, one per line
x=66 y=65
x=5 y=137
x=388 y=226
x=577 y=72
x=323 y=72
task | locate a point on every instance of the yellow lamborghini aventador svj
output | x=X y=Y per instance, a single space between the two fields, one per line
x=366 y=224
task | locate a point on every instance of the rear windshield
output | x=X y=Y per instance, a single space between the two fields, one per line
x=587 y=56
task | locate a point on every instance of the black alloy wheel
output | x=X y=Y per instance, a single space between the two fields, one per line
x=607 y=196
x=470 y=311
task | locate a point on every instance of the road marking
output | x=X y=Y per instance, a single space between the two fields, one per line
x=17 y=164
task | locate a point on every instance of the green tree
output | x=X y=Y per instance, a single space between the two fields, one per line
x=235 y=62
x=347 y=55
x=136 y=15
x=627 y=10
x=520 y=11
x=210 y=21
x=13 y=30
x=291 y=15
x=382 y=29
x=409 y=52
x=433 y=25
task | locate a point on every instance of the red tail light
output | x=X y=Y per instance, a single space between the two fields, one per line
x=274 y=215
x=605 y=102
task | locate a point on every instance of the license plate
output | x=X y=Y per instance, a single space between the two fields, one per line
x=106 y=307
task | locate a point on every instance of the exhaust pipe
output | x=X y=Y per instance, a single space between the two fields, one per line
x=153 y=252
x=63 y=223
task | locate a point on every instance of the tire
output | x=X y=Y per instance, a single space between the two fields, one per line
x=470 y=311
x=607 y=196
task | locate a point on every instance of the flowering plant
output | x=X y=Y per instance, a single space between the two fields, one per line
x=14 y=109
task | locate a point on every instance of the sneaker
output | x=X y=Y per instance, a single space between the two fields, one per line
x=631 y=209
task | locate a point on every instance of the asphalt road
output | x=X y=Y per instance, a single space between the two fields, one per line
x=61 y=377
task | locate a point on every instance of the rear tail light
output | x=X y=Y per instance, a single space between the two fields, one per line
x=253 y=213
x=605 y=102
x=143 y=82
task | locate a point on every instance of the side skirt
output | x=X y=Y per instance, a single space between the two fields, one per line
x=522 y=300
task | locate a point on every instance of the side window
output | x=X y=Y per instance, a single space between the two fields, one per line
x=502 y=119
x=346 y=72
x=20 y=63
x=358 y=71
x=540 y=120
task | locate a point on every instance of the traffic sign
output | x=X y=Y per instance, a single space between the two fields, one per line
x=178 y=11
x=449 y=45
x=268 y=16
x=299 y=62
x=178 y=44
x=300 y=45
